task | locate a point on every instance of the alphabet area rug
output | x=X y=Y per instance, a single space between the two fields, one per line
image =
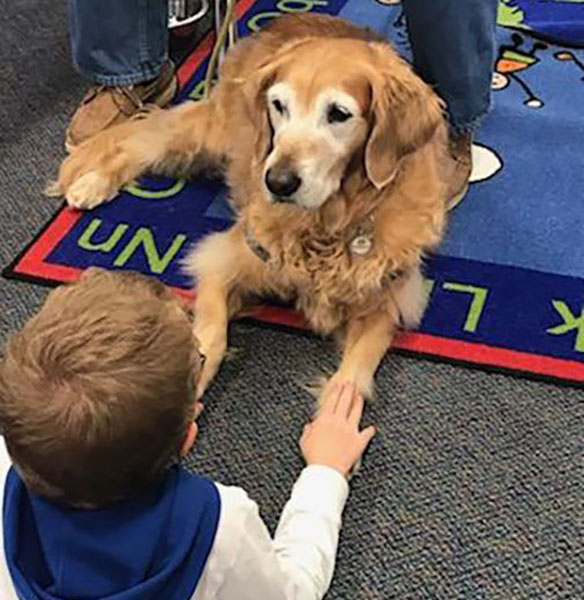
x=506 y=291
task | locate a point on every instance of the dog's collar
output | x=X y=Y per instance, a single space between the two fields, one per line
x=361 y=244
x=255 y=246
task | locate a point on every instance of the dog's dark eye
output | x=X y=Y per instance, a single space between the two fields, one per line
x=336 y=114
x=278 y=106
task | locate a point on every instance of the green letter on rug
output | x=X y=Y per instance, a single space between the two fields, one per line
x=292 y=6
x=428 y=287
x=571 y=322
x=141 y=192
x=107 y=245
x=253 y=22
x=143 y=237
x=198 y=92
x=284 y=6
x=479 y=298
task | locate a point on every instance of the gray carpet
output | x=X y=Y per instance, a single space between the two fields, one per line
x=473 y=488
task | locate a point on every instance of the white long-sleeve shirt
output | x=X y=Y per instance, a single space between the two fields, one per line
x=245 y=563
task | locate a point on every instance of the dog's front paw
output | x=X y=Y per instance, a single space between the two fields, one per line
x=213 y=346
x=90 y=190
x=362 y=383
x=93 y=173
x=208 y=373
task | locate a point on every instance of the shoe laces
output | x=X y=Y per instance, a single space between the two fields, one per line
x=116 y=92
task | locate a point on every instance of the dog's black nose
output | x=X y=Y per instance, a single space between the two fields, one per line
x=282 y=182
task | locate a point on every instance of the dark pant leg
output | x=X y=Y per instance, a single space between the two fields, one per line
x=454 y=45
x=119 y=42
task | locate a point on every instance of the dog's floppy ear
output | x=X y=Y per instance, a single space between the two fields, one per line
x=257 y=109
x=405 y=113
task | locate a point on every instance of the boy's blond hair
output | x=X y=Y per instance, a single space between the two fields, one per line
x=97 y=389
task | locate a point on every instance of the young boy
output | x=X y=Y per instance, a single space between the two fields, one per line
x=96 y=407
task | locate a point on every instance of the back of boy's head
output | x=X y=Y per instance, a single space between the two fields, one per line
x=97 y=389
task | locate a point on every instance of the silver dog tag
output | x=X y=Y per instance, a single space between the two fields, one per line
x=361 y=245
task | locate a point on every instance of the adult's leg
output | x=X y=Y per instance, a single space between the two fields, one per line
x=454 y=50
x=121 y=47
x=453 y=42
x=117 y=42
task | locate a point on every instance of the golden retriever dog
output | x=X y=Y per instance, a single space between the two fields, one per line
x=336 y=156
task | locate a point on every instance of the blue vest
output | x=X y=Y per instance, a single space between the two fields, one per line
x=149 y=548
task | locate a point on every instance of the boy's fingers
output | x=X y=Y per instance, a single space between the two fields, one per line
x=198 y=409
x=345 y=400
x=330 y=400
x=366 y=436
x=356 y=410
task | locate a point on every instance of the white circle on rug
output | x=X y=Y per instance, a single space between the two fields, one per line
x=534 y=103
x=486 y=163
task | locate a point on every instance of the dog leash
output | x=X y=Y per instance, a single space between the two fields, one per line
x=228 y=27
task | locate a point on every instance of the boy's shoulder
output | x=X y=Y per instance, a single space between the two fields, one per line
x=176 y=521
x=232 y=500
x=237 y=511
x=189 y=482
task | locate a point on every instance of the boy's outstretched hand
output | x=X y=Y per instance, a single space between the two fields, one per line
x=333 y=439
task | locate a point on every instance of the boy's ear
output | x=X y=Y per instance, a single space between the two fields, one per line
x=190 y=437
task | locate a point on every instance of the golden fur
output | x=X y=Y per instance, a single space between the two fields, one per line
x=385 y=172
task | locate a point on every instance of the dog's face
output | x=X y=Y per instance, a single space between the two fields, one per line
x=321 y=104
x=314 y=136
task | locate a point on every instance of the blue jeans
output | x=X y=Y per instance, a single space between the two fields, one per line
x=453 y=42
x=119 y=42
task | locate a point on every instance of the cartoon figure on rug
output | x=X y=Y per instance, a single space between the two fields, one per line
x=512 y=60
x=486 y=163
x=399 y=24
x=567 y=56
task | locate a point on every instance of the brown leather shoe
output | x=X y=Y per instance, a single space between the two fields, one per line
x=104 y=106
x=460 y=150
